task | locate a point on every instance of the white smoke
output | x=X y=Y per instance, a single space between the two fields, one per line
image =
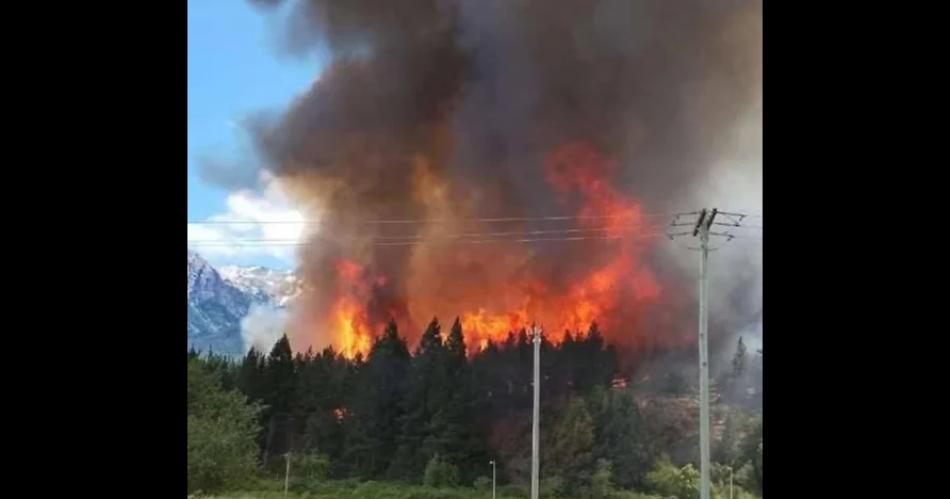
x=257 y=223
x=262 y=327
x=733 y=184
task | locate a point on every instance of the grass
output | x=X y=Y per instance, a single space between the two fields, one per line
x=350 y=489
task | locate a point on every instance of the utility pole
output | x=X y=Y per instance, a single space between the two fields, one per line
x=493 y=479
x=701 y=229
x=535 y=426
x=287 y=474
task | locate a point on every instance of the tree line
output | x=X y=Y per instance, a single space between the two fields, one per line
x=439 y=415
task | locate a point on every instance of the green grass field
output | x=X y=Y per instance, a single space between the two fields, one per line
x=384 y=490
x=366 y=490
x=349 y=489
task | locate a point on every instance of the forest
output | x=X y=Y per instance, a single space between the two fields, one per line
x=428 y=421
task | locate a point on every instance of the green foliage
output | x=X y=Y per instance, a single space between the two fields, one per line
x=601 y=486
x=621 y=436
x=568 y=444
x=385 y=416
x=371 y=432
x=551 y=486
x=440 y=473
x=366 y=490
x=427 y=392
x=279 y=378
x=669 y=480
x=750 y=457
x=482 y=483
x=725 y=449
x=221 y=431
x=311 y=466
x=627 y=494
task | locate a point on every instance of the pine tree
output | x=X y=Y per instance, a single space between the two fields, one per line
x=377 y=406
x=317 y=398
x=725 y=451
x=563 y=374
x=277 y=392
x=453 y=424
x=249 y=375
x=593 y=363
x=221 y=431
x=568 y=441
x=739 y=360
x=488 y=388
x=455 y=347
x=424 y=395
x=621 y=436
x=280 y=377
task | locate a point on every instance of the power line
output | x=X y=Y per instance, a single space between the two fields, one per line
x=453 y=236
x=742 y=236
x=431 y=221
x=289 y=243
x=702 y=229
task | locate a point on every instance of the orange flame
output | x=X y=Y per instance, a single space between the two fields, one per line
x=349 y=317
x=581 y=171
x=503 y=293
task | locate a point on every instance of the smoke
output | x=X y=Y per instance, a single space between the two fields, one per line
x=231 y=175
x=452 y=110
x=262 y=327
x=254 y=209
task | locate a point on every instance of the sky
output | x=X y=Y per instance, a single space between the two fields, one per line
x=235 y=69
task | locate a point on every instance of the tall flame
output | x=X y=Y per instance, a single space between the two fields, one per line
x=350 y=319
x=489 y=308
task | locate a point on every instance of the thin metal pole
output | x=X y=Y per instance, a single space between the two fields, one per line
x=493 y=480
x=535 y=429
x=287 y=475
x=703 y=369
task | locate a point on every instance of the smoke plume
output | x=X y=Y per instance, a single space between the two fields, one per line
x=262 y=327
x=445 y=114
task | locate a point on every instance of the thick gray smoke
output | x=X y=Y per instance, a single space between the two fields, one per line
x=448 y=109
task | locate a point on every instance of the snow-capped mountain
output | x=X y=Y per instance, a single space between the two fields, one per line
x=276 y=287
x=219 y=300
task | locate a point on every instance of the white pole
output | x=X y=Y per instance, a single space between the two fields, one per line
x=287 y=475
x=703 y=369
x=493 y=480
x=535 y=430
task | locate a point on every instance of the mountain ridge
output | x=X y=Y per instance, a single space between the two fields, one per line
x=220 y=299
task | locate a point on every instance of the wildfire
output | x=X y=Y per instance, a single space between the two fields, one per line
x=354 y=333
x=350 y=320
x=480 y=327
x=501 y=291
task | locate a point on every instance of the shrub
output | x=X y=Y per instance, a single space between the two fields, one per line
x=310 y=466
x=601 y=486
x=482 y=483
x=552 y=486
x=222 y=426
x=627 y=494
x=440 y=473
x=668 y=480
x=512 y=490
